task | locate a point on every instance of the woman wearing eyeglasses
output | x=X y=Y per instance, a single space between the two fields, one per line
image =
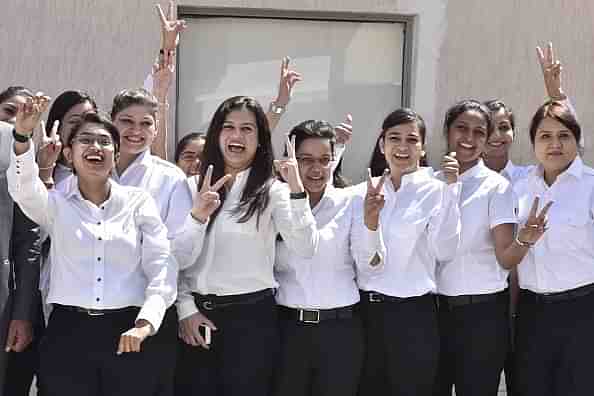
x=320 y=325
x=112 y=277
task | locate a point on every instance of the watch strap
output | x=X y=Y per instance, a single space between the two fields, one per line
x=20 y=138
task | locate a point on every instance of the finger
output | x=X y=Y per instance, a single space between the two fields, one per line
x=54 y=131
x=349 y=118
x=207 y=178
x=291 y=147
x=171 y=11
x=220 y=183
x=534 y=208
x=540 y=56
x=551 y=53
x=162 y=17
x=452 y=154
x=382 y=180
x=120 y=346
x=369 y=182
x=209 y=323
x=543 y=213
x=283 y=68
x=10 y=339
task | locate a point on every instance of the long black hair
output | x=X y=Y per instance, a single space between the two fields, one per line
x=255 y=196
x=62 y=105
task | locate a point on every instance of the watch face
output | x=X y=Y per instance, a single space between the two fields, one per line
x=277 y=109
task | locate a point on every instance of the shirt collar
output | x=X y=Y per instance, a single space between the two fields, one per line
x=73 y=191
x=509 y=170
x=475 y=171
x=327 y=196
x=420 y=175
x=576 y=169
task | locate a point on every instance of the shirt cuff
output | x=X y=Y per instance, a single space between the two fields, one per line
x=375 y=243
x=153 y=311
x=186 y=308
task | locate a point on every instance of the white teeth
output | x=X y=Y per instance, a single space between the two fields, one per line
x=467 y=146
x=134 y=139
x=94 y=157
x=496 y=144
x=402 y=156
x=236 y=148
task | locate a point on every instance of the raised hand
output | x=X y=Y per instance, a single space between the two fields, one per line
x=171 y=27
x=551 y=72
x=29 y=113
x=535 y=225
x=163 y=72
x=344 y=131
x=50 y=147
x=288 y=79
x=450 y=167
x=289 y=168
x=374 y=200
x=208 y=199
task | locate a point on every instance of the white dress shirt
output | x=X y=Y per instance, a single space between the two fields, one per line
x=327 y=280
x=103 y=257
x=420 y=224
x=513 y=173
x=487 y=200
x=236 y=258
x=165 y=182
x=563 y=258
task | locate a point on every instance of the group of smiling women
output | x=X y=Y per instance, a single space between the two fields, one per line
x=256 y=276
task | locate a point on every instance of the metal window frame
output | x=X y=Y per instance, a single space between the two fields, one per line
x=407 y=21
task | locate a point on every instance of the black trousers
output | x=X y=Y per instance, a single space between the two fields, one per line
x=165 y=345
x=554 y=347
x=78 y=357
x=510 y=361
x=474 y=344
x=242 y=356
x=321 y=359
x=23 y=366
x=402 y=347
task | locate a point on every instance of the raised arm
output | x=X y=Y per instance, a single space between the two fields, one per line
x=288 y=79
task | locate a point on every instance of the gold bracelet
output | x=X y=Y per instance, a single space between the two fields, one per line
x=522 y=243
x=48 y=168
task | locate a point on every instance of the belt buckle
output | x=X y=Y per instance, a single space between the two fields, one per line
x=304 y=319
x=375 y=297
x=95 y=312
x=208 y=305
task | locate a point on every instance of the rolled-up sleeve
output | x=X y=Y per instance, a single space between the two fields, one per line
x=294 y=220
x=27 y=190
x=158 y=264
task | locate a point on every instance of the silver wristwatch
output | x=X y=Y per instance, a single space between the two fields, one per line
x=276 y=109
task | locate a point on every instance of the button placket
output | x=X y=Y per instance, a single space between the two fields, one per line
x=99 y=261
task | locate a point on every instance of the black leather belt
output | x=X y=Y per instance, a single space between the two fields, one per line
x=548 y=298
x=315 y=316
x=449 y=302
x=94 y=312
x=375 y=297
x=212 y=301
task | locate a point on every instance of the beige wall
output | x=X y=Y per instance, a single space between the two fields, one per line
x=462 y=49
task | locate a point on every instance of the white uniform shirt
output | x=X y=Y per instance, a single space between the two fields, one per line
x=420 y=223
x=165 y=182
x=487 y=200
x=236 y=258
x=327 y=280
x=563 y=259
x=513 y=173
x=106 y=257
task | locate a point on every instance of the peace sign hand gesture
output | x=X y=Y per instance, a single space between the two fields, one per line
x=50 y=147
x=374 y=200
x=535 y=225
x=208 y=199
x=289 y=168
x=171 y=27
x=551 y=71
x=29 y=113
x=288 y=79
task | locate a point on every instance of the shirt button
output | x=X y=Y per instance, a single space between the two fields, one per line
x=98 y=279
x=97 y=299
x=98 y=258
x=98 y=223
x=100 y=238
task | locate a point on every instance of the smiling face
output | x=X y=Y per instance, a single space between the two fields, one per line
x=8 y=108
x=402 y=147
x=92 y=152
x=500 y=141
x=467 y=136
x=314 y=156
x=238 y=140
x=189 y=158
x=555 y=146
x=138 y=127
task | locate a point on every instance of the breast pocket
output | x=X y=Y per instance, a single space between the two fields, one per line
x=572 y=231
